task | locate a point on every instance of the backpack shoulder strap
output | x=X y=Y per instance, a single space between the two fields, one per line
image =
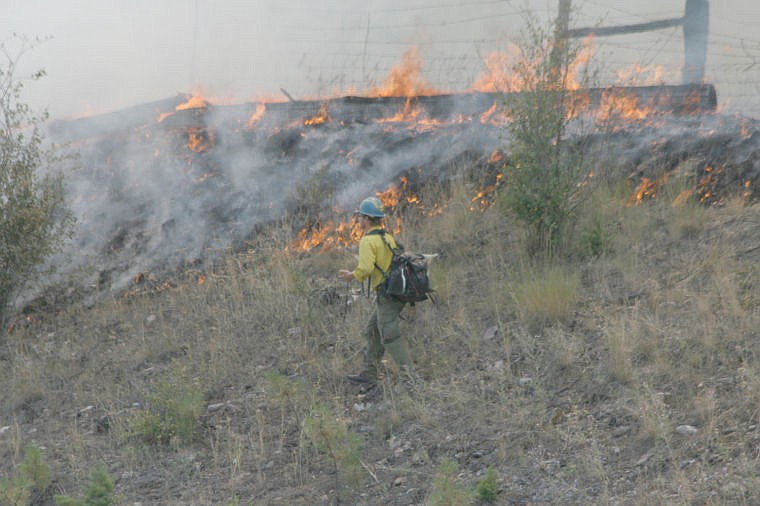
x=394 y=251
x=381 y=232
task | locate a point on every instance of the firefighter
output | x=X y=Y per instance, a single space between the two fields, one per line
x=382 y=331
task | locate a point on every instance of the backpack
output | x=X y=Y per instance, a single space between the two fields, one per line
x=407 y=277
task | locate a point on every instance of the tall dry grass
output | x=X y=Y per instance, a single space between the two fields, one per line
x=569 y=379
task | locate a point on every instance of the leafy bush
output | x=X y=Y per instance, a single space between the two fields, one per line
x=543 y=177
x=33 y=215
x=446 y=491
x=172 y=411
x=33 y=478
x=595 y=236
x=487 y=487
x=98 y=493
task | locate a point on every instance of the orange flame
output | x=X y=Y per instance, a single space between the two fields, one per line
x=495 y=77
x=405 y=79
x=647 y=189
x=321 y=117
x=327 y=235
x=261 y=108
x=199 y=139
x=194 y=102
x=617 y=104
x=409 y=113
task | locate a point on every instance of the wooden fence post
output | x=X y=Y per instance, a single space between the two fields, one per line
x=695 y=29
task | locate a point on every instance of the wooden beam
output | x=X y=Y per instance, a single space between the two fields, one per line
x=604 y=31
x=676 y=100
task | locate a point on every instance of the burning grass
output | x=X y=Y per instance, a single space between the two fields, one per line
x=643 y=384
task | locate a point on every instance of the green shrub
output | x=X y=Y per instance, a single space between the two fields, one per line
x=98 y=493
x=446 y=491
x=595 y=236
x=545 y=171
x=33 y=476
x=172 y=410
x=33 y=216
x=331 y=435
x=14 y=491
x=487 y=487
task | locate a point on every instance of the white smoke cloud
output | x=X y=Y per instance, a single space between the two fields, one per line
x=104 y=56
x=142 y=205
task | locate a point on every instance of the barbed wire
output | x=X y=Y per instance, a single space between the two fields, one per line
x=352 y=54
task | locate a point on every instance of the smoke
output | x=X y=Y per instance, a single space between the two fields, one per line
x=146 y=202
x=106 y=56
x=149 y=201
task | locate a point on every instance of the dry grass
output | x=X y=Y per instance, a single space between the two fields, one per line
x=569 y=380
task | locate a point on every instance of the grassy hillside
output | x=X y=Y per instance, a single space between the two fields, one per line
x=626 y=377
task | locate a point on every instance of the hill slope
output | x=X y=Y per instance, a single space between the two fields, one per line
x=643 y=390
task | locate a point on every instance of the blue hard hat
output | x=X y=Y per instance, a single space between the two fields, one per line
x=372 y=207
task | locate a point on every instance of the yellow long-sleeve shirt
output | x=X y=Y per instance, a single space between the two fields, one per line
x=372 y=250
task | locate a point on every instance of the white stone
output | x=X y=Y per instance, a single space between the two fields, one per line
x=687 y=430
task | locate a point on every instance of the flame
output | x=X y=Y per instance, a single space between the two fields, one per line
x=395 y=194
x=261 y=108
x=647 y=189
x=199 y=139
x=321 y=117
x=636 y=75
x=744 y=131
x=484 y=197
x=409 y=113
x=405 y=79
x=194 y=102
x=205 y=176
x=618 y=104
x=747 y=192
x=327 y=235
x=497 y=76
x=707 y=182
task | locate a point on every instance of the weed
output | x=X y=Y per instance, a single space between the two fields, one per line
x=487 y=487
x=595 y=236
x=545 y=295
x=99 y=492
x=31 y=480
x=172 y=410
x=446 y=491
x=290 y=396
x=330 y=435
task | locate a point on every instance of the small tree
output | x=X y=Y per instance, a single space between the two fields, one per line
x=545 y=171
x=33 y=215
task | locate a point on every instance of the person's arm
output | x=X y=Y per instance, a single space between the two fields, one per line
x=366 y=264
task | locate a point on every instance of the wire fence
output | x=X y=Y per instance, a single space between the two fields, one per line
x=359 y=49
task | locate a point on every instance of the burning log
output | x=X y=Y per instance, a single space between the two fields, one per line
x=109 y=124
x=674 y=99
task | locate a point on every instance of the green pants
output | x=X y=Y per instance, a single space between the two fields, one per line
x=384 y=334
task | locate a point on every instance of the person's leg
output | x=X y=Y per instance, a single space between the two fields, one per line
x=388 y=310
x=373 y=352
